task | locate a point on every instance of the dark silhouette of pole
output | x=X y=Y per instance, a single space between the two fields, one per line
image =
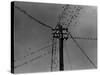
x=61 y=63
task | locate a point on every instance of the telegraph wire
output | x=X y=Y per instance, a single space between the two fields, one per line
x=69 y=61
x=55 y=60
x=70 y=13
x=31 y=60
x=84 y=38
x=36 y=51
x=82 y=51
x=33 y=18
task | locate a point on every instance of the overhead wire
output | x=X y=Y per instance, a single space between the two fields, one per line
x=31 y=60
x=84 y=38
x=82 y=51
x=33 y=18
x=36 y=51
x=69 y=60
x=52 y=54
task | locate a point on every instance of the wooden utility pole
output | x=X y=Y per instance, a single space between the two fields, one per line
x=59 y=33
x=61 y=61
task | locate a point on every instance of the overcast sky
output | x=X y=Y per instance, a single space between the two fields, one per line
x=31 y=36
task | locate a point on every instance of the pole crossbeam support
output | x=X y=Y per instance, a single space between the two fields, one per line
x=60 y=33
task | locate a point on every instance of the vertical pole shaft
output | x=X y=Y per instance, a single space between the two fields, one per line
x=61 y=63
x=12 y=37
x=52 y=54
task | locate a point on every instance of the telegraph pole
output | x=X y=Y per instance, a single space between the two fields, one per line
x=61 y=61
x=59 y=33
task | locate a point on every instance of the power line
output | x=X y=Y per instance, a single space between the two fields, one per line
x=53 y=55
x=36 y=51
x=70 y=13
x=81 y=38
x=33 y=18
x=31 y=60
x=82 y=51
x=84 y=38
x=69 y=61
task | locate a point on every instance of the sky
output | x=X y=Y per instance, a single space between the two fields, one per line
x=30 y=36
